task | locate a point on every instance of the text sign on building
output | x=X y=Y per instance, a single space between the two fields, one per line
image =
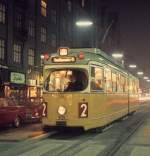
x=18 y=78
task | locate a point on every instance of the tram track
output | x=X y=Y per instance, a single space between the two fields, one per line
x=122 y=139
x=110 y=150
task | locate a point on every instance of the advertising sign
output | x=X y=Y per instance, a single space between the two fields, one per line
x=18 y=78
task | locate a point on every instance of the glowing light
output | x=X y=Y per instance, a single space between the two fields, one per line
x=140 y=73
x=117 y=55
x=132 y=66
x=61 y=110
x=145 y=78
x=45 y=56
x=84 y=23
x=81 y=55
x=63 y=51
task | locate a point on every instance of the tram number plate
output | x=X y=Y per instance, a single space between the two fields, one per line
x=83 y=110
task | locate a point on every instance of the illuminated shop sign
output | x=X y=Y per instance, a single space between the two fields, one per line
x=18 y=78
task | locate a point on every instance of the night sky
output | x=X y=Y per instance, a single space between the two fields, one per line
x=135 y=31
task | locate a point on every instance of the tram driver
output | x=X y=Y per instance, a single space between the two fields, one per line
x=74 y=83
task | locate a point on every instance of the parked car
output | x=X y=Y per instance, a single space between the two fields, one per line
x=10 y=113
x=15 y=113
x=34 y=109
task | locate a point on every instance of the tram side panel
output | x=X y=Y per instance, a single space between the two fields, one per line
x=133 y=94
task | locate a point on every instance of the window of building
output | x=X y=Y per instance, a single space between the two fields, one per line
x=43 y=8
x=31 y=29
x=97 y=75
x=43 y=34
x=53 y=16
x=2 y=13
x=2 y=49
x=31 y=57
x=69 y=6
x=53 y=40
x=19 y=20
x=17 y=53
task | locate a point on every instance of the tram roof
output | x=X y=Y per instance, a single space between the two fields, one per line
x=98 y=52
x=90 y=55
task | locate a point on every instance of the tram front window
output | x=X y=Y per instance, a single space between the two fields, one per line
x=66 y=80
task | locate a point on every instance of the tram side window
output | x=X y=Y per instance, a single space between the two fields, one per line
x=134 y=87
x=130 y=86
x=122 y=83
x=126 y=85
x=114 y=82
x=97 y=75
x=108 y=80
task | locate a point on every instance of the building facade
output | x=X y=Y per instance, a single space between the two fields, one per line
x=31 y=28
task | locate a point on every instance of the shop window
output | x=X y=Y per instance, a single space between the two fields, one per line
x=2 y=49
x=31 y=57
x=108 y=80
x=97 y=75
x=17 y=53
x=43 y=34
x=2 y=13
x=44 y=8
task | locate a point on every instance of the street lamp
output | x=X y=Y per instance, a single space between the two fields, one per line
x=140 y=73
x=132 y=66
x=117 y=55
x=84 y=23
x=145 y=78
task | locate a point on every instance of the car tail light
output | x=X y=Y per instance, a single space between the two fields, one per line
x=44 y=112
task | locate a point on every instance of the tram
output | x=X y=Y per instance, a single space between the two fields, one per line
x=86 y=88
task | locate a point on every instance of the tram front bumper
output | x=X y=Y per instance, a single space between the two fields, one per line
x=64 y=123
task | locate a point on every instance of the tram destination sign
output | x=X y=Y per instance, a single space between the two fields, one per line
x=63 y=59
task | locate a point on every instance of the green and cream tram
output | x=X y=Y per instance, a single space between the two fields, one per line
x=86 y=88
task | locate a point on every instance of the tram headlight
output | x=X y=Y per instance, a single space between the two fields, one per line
x=61 y=110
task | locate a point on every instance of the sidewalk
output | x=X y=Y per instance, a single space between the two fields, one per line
x=22 y=133
x=139 y=143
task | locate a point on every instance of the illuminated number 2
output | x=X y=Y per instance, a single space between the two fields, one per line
x=83 y=110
